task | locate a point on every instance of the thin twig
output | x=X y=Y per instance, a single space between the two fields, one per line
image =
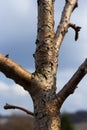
x=77 y=29
x=9 y=106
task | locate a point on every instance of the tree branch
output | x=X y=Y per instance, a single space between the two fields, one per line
x=15 y=71
x=77 y=29
x=64 y=22
x=86 y=70
x=72 y=83
x=8 y=106
x=45 y=36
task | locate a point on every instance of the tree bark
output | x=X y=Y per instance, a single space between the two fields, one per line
x=42 y=83
x=46 y=105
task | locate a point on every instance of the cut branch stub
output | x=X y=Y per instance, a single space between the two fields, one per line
x=77 y=29
x=64 y=22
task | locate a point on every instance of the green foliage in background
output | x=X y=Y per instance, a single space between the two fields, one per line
x=66 y=123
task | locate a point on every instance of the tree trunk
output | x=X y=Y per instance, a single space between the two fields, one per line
x=47 y=115
x=46 y=105
x=45 y=102
x=42 y=83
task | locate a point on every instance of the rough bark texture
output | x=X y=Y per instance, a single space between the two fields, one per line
x=48 y=43
x=42 y=83
x=45 y=106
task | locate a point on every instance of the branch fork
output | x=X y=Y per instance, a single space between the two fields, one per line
x=46 y=51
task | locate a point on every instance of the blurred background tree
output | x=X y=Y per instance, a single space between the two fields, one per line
x=66 y=123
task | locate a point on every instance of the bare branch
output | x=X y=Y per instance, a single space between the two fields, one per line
x=14 y=71
x=72 y=83
x=8 y=106
x=64 y=22
x=86 y=70
x=77 y=29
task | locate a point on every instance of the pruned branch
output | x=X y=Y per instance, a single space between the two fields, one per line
x=9 y=106
x=72 y=83
x=64 y=22
x=77 y=29
x=14 y=71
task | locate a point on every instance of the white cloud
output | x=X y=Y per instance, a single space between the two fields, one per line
x=19 y=7
x=63 y=77
x=14 y=94
x=11 y=89
x=23 y=8
x=17 y=17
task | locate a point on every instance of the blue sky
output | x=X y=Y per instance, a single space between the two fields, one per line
x=18 y=22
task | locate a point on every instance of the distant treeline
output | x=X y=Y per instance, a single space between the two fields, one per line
x=25 y=122
x=79 y=116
